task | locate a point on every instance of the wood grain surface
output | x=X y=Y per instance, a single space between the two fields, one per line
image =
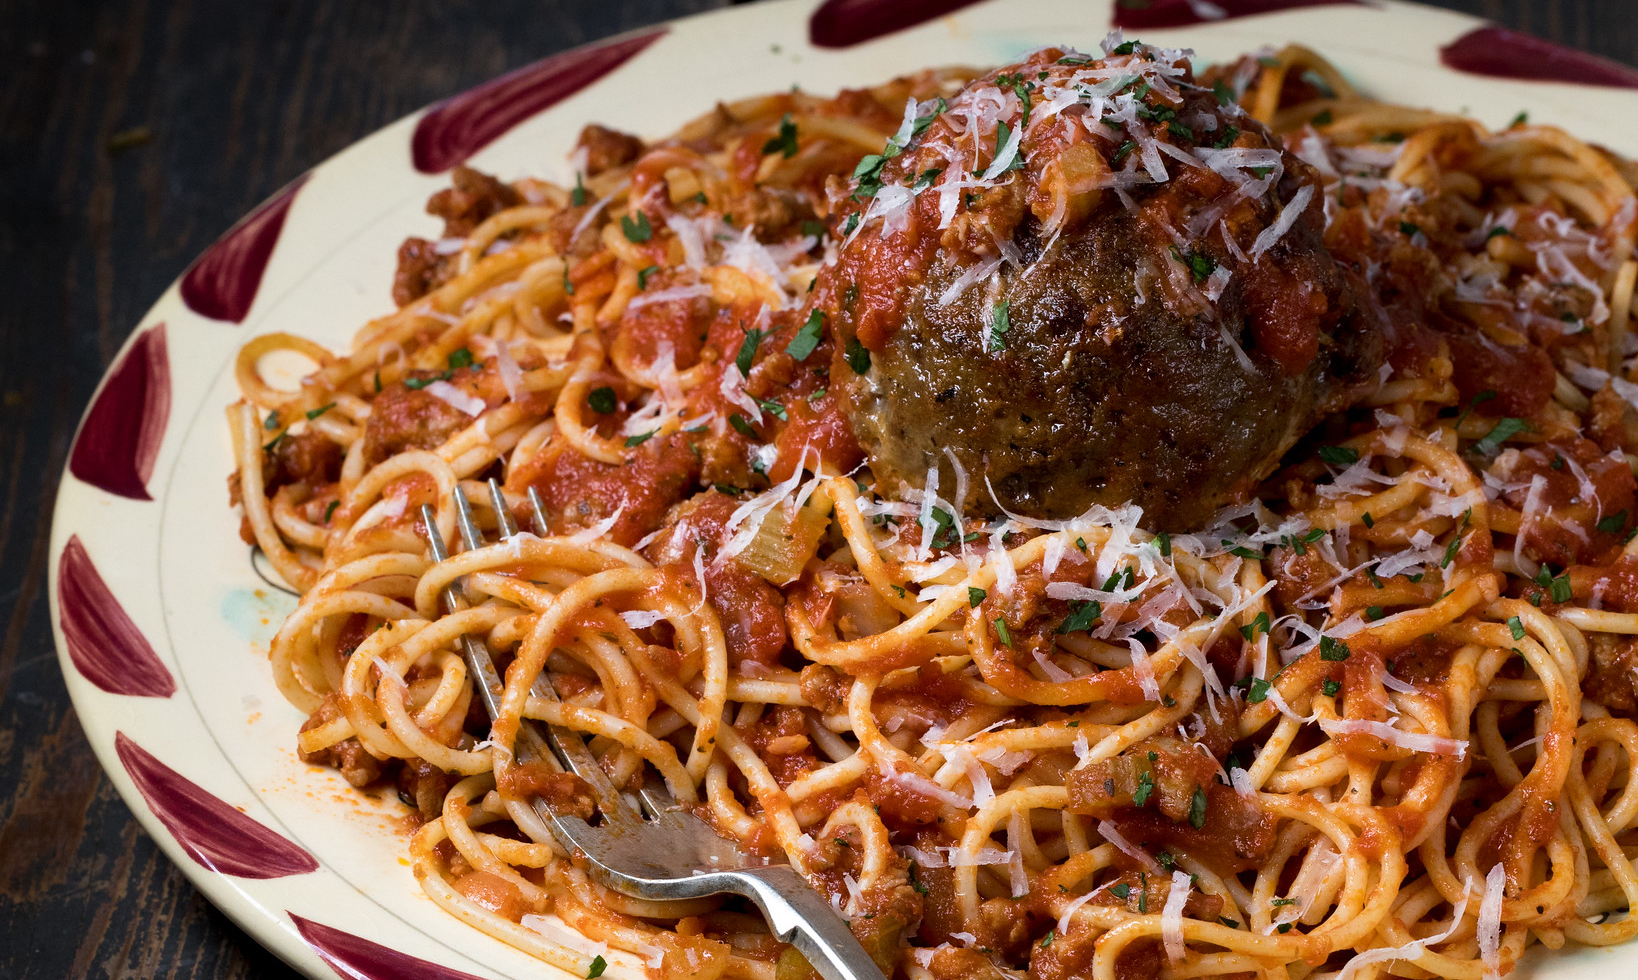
x=132 y=133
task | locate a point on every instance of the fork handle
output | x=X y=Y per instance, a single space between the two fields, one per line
x=799 y=916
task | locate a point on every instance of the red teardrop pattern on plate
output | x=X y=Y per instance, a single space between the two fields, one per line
x=844 y=23
x=354 y=958
x=458 y=127
x=1136 y=15
x=119 y=441
x=213 y=833
x=105 y=646
x=222 y=283
x=1501 y=53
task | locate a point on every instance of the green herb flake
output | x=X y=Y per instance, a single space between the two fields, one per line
x=1367 y=520
x=316 y=412
x=1330 y=688
x=1516 y=627
x=741 y=426
x=643 y=274
x=1082 y=616
x=1258 y=625
x=1323 y=118
x=1227 y=137
x=330 y=511
x=1339 y=455
x=578 y=195
x=857 y=357
x=999 y=325
x=602 y=400
x=1257 y=690
x=1197 y=809
x=785 y=143
x=975 y=596
x=1373 y=613
x=598 y=965
x=1223 y=91
x=1333 y=650
x=1002 y=632
x=1121 y=891
x=1614 y=523
x=1505 y=429
x=1164 y=541
x=1408 y=229
x=1200 y=265
x=632 y=442
x=807 y=337
x=1145 y=789
x=460 y=357
x=747 y=351
x=636 y=229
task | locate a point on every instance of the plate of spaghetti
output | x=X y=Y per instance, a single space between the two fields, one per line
x=1099 y=490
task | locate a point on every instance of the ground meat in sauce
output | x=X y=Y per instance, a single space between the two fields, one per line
x=1612 y=673
x=562 y=792
x=752 y=612
x=607 y=148
x=580 y=492
x=403 y=418
x=472 y=198
x=347 y=756
x=421 y=269
x=1567 y=488
x=1112 y=383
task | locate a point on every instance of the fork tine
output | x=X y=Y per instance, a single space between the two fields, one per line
x=566 y=746
x=503 y=511
x=539 y=507
x=469 y=526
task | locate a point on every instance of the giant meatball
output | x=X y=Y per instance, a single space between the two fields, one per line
x=1089 y=282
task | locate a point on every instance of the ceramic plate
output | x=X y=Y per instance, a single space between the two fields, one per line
x=162 y=622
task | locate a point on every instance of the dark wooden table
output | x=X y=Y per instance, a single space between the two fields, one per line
x=132 y=133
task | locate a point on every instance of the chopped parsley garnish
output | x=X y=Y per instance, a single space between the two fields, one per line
x=975 y=596
x=1200 y=265
x=1324 y=118
x=1145 y=789
x=633 y=442
x=416 y=384
x=1519 y=120
x=1257 y=690
x=1047 y=939
x=1330 y=688
x=643 y=274
x=1339 y=455
x=636 y=229
x=1003 y=133
x=807 y=338
x=747 y=351
x=773 y=408
x=1609 y=525
x=316 y=412
x=602 y=400
x=1082 y=616
x=1224 y=92
x=1225 y=920
x=1166 y=860
x=1127 y=47
x=1558 y=587
x=1374 y=613
x=1258 y=625
x=598 y=965
x=1505 y=429
x=568 y=287
x=857 y=357
x=1280 y=902
x=785 y=142
x=1002 y=632
x=1164 y=541
x=1121 y=151
x=1120 y=891
x=1408 y=229
x=1496 y=232
x=926 y=179
x=1333 y=650
x=1227 y=137
x=1367 y=520
x=1241 y=551
x=741 y=426
x=1516 y=627
x=999 y=326
x=459 y=358
x=1197 y=809
x=578 y=195
x=851 y=223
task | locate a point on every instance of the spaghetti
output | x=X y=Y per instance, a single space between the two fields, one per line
x=1378 y=717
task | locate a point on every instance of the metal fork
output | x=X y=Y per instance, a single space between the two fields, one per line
x=647 y=846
